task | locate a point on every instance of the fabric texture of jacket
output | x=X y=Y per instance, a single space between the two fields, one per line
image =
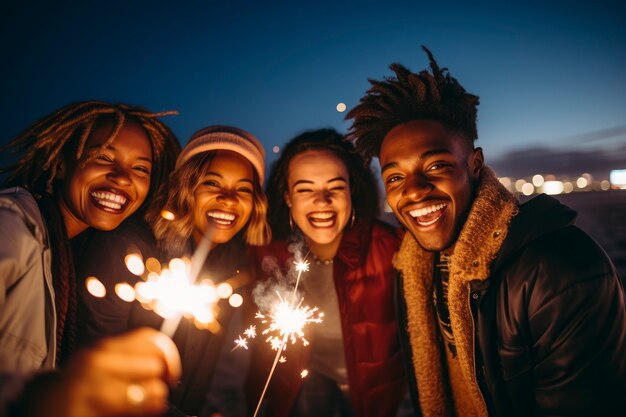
x=536 y=308
x=364 y=281
x=27 y=312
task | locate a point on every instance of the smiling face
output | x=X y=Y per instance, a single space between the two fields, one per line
x=223 y=198
x=429 y=174
x=106 y=185
x=319 y=199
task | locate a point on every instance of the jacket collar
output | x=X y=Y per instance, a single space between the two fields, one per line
x=355 y=244
x=477 y=246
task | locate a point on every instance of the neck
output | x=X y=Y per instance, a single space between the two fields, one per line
x=72 y=225
x=325 y=251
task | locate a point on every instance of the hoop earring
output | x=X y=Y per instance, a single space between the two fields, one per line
x=352 y=219
x=291 y=225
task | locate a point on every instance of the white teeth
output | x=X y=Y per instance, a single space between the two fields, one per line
x=221 y=216
x=322 y=215
x=109 y=199
x=426 y=210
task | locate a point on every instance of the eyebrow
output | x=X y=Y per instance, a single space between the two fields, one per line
x=422 y=156
x=217 y=174
x=114 y=149
x=311 y=182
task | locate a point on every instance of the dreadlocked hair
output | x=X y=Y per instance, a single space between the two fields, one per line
x=409 y=96
x=43 y=146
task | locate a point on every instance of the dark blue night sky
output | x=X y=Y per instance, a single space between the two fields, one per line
x=547 y=72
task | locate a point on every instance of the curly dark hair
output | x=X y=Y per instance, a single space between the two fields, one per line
x=409 y=96
x=363 y=188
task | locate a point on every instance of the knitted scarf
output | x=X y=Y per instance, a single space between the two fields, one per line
x=477 y=246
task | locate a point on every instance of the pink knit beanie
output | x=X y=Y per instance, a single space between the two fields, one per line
x=214 y=138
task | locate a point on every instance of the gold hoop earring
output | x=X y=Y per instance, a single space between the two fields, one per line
x=293 y=227
x=352 y=218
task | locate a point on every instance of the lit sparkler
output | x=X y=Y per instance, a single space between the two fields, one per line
x=285 y=323
x=172 y=291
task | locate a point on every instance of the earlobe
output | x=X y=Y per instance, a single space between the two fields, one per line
x=478 y=162
x=287 y=199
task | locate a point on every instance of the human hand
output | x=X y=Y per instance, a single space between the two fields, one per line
x=126 y=375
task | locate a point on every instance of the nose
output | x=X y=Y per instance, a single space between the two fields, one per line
x=322 y=197
x=227 y=198
x=119 y=175
x=417 y=186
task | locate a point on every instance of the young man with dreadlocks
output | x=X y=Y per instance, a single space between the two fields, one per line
x=87 y=165
x=508 y=309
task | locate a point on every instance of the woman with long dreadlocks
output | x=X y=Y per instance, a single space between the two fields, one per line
x=88 y=165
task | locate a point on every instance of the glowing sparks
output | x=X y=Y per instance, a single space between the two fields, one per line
x=302 y=266
x=135 y=265
x=125 y=291
x=95 y=287
x=250 y=332
x=241 y=342
x=304 y=373
x=282 y=359
x=168 y=291
x=235 y=300
x=288 y=322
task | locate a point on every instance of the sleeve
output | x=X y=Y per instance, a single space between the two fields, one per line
x=103 y=257
x=577 y=324
x=20 y=257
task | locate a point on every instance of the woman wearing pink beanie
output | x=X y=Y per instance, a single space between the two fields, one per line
x=215 y=192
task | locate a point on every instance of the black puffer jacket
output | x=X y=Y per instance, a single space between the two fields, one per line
x=550 y=321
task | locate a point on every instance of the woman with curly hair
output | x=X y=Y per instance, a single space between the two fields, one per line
x=89 y=165
x=323 y=198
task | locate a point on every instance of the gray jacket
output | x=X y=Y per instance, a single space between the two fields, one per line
x=27 y=311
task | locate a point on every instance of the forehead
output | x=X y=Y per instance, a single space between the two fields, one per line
x=411 y=139
x=316 y=165
x=130 y=137
x=230 y=164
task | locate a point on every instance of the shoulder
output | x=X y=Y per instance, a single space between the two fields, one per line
x=566 y=261
x=386 y=237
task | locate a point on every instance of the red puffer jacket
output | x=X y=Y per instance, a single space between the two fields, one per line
x=364 y=280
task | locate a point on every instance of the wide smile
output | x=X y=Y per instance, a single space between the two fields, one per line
x=110 y=199
x=428 y=215
x=322 y=219
x=221 y=218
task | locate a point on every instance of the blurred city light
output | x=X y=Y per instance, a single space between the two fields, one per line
x=618 y=178
x=553 y=187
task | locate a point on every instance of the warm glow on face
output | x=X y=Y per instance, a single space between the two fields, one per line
x=134 y=263
x=125 y=291
x=95 y=287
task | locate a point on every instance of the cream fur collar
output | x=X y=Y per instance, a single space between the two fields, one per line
x=477 y=246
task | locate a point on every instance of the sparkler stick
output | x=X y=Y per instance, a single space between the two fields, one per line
x=267 y=382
